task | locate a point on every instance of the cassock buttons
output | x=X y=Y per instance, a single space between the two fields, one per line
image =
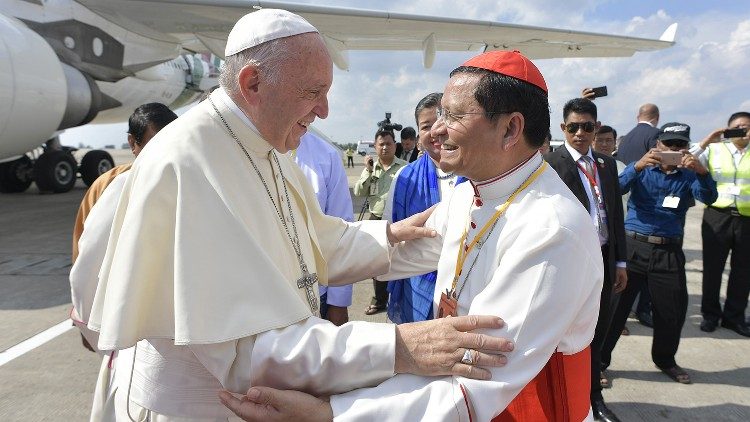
x=473 y=225
x=477 y=201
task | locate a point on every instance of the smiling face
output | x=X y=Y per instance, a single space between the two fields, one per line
x=425 y=119
x=580 y=139
x=471 y=143
x=282 y=110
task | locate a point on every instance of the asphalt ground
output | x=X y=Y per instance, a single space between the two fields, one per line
x=55 y=381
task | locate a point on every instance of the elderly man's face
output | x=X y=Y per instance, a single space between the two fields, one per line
x=471 y=142
x=579 y=130
x=604 y=143
x=289 y=106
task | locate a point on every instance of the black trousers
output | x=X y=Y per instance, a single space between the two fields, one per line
x=662 y=269
x=349 y=161
x=607 y=304
x=722 y=232
x=380 y=298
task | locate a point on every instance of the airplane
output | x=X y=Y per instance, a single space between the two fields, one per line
x=66 y=63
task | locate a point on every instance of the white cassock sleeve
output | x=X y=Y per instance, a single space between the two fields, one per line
x=313 y=356
x=546 y=289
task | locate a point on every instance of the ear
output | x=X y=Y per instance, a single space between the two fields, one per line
x=131 y=142
x=249 y=83
x=513 y=130
x=562 y=127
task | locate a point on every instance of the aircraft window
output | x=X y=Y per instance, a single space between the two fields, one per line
x=69 y=42
x=98 y=46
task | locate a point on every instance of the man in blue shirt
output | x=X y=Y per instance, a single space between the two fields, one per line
x=662 y=187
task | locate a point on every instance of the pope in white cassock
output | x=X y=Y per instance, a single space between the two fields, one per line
x=514 y=242
x=217 y=246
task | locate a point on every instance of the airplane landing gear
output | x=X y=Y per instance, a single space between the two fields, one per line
x=16 y=175
x=55 y=171
x=93 y=164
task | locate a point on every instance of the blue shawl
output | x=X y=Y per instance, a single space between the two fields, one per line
x=416 y=189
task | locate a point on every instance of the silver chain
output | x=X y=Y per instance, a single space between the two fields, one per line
x=295 y=240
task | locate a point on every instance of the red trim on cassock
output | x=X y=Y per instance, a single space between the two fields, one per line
x=559 y=393
x=466 y=402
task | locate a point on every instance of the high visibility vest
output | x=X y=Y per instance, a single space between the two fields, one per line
x=727 y=176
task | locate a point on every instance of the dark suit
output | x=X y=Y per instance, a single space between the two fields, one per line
x=637 y=143
x=613 y=251
x=411 y=158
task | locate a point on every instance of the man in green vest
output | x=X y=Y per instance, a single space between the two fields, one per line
x=726 y=225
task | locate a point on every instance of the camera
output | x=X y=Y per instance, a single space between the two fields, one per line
x=599 y=91
x=388 y=125
x=735 y=133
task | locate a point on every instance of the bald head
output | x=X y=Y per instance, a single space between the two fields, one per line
x=649 y=113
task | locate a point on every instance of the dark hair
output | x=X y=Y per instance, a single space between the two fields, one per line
x=385 y=132
x=580 y=106
x=501 y=93
x=429 y=101
x=156 y=114
x=737 y=115
x=408 y=133
x=608 y=129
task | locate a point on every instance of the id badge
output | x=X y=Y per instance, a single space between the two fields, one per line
x=671 y=202
x=733 y=190
x=373 y=189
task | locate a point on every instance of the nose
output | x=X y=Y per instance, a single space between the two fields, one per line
x=321 y=109
x=438 y=128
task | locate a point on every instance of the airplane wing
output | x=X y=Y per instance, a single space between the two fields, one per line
x=202 y=25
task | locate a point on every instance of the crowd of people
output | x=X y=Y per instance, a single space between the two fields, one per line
x=214 y=275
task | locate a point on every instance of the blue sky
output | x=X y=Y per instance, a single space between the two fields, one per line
x=700 y=81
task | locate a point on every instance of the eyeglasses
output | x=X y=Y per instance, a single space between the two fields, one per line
x=587 y=127
x=450 y=118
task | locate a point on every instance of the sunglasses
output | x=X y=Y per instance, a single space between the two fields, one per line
x=669 y=143
x=587 y=127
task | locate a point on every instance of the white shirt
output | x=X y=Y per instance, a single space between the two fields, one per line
x=540 y=270
x=593 y=203
x=321 y=164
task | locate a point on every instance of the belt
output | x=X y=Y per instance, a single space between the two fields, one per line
x=656 y=240
x=729 y=210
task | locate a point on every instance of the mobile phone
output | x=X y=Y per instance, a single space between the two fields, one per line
x=670 y=158
x=370 y=161
x=735 y=133
x=600 y=91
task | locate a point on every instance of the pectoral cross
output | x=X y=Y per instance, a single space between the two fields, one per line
x=307 y=281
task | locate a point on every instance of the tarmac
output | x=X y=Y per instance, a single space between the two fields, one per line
x=55 y=381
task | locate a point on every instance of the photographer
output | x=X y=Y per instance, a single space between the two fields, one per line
x=726 y=225
x=374 y=183
x=663 y=184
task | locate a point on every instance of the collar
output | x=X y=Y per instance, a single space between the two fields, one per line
x=666 y=173
x=577 y=155
x=505 y=184
x=734 y=150
x=221 y=96
x=646 y=123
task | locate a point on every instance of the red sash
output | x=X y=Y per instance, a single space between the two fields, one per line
x=559 y=393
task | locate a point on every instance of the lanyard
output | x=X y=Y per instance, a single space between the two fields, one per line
x=592 y=180
x=464 y=249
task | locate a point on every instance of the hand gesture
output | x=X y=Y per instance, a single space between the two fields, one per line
x=712 y=137
x=691 y=163
x=650 y=159
x=436 y=347
x=264 y=404
x=411 y=228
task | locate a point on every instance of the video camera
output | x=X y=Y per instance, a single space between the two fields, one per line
x=387 y=125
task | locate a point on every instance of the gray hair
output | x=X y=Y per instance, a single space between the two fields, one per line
x=267 y=56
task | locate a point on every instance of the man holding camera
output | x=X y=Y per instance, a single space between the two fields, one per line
x=726 y=225
x=374 y=183
x=663 y=184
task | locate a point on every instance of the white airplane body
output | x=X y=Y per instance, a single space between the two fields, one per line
x=67 y=63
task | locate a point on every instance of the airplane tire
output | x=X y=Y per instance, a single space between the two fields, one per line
x=55 y=171
x=15 y=176
x=94 y=164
